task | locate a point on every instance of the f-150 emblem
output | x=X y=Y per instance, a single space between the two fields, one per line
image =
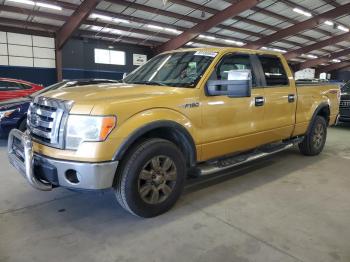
x=190 y=105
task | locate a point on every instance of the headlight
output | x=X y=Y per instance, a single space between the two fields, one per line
x=7 y=113
x=88 y=129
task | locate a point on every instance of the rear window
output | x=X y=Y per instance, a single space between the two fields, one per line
x=274 y=72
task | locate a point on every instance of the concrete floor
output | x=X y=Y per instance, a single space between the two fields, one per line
x=283 y=208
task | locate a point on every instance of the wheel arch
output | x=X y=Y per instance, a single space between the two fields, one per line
x=165 y=129
x=323 y=110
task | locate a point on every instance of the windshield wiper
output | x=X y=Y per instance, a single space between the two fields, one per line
x=148 y=83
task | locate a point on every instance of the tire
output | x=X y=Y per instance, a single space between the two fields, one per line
x=151 y=178
x=315 y=140
x=23 y=125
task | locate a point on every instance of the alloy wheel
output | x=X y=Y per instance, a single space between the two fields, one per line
x=318 y=136
x=157 y=179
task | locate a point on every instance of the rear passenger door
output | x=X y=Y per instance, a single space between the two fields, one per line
x=280 y=97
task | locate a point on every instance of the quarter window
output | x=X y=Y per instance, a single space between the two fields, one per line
x=274 y=71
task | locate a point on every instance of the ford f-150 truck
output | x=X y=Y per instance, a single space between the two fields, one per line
x=186 y=112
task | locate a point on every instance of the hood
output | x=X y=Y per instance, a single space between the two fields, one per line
x=14 y=102
x=104 y=92
x=88 y=96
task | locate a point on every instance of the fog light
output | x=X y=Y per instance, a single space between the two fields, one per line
x=72 y=176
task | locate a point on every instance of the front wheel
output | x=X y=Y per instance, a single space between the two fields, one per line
x=314 y=142
x=151 y=178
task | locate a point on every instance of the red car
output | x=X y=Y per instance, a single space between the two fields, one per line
x=13 y=88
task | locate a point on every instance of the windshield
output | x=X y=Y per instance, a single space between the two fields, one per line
x=182 y=69
x=346 y=88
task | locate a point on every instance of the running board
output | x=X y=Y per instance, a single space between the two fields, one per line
x=223 y=164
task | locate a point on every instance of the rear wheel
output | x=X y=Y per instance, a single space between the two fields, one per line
x=151 y=178
x=314 y=142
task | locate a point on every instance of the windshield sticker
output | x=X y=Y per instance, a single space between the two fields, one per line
x=210 y=54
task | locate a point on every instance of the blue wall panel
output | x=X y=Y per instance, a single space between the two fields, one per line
x=41 y=76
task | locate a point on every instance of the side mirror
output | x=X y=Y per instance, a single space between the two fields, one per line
x=238 y=84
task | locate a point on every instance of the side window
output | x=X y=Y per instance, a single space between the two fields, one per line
x=3 y=86
x=232 y=62
x=274 y=71
x=14 y=86
x=9 y=86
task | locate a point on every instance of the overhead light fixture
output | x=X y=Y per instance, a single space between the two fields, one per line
x=234 y=42
x=102 y=17
x=343 y=28
x=207 y=37
x=211 y=37
x=172 y=30
x=155 y=27
x=50 y=6
x=274 y=49
x=96 y=28
x=28 y=2
x=106 y=30
x=108 y=18
x=330 y=23
x=279 y=50
x=336 y=60
x=302 y=12
x=311 y=56
x=118 y=20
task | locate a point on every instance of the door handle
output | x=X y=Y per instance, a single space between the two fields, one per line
x=291 y=98
x=259 y=101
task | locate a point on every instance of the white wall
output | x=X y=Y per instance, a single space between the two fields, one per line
x=27 y=50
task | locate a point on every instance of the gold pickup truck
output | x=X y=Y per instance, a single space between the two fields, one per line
x=186 y=112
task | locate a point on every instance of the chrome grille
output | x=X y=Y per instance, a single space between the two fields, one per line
x=46 y=120
x=345 y=103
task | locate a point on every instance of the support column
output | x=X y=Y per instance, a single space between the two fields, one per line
x=59 y=73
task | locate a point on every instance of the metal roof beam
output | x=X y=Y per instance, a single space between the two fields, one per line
x=319 y=45
x=323 y=59
x=21 y=30
x=302 y=26
x=194 y=20
x=119 y=27
x=74 y=21
x=337 y=66
x=332 y=3
x=204 y=26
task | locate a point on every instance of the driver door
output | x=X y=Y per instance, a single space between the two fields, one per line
x=232 y=124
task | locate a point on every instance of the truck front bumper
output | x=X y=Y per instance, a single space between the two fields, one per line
x=44 y=173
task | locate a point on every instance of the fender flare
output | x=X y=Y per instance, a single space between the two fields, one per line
x=316 y=113
x=189 y=142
